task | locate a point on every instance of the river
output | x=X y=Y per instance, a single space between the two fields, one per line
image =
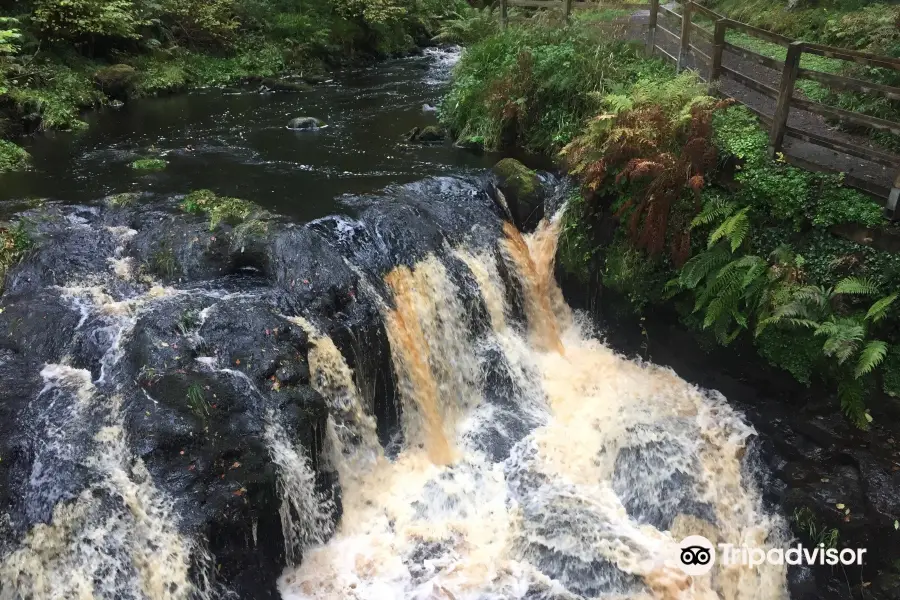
x=394 y=402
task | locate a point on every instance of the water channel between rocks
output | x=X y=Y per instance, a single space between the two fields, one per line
x=392 y=403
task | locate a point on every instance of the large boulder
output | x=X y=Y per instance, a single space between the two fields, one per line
x=522 y=191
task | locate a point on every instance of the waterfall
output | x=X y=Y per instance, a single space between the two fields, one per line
x=537 y=462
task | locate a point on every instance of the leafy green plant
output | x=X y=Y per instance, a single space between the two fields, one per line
x=164 y=262
x=15 y=242
x=468 y=26
x=197 y=401
x=816 y=532
x=149 y=164
x=12 y=157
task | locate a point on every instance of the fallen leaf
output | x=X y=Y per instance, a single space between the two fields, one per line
x=191 y=468
x=840 y=506
x=237 y=362
x=235 y=465
x=181 y=453
x=896 y=525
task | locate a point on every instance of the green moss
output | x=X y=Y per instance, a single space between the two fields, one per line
x=517 y=178
x=149 y=164
x=15 y=242
x=122 y=200
x=220 y=209
x=12 y=157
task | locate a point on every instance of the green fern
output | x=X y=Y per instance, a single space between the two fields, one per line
x=843 y=337
x=714 y=210
x=734 y=229
x=879 y=310
x=859 y=286
x=871 y=357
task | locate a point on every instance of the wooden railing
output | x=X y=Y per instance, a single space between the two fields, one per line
x=685 y=33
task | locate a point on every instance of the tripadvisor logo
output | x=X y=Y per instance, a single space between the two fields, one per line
x=697 y=555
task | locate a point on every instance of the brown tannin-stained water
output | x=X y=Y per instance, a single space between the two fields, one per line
x=391 y=404
x=621 y=460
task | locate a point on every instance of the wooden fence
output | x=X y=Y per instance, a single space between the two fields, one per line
x=682 y=29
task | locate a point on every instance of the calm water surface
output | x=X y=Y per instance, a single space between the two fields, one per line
x=235 y=142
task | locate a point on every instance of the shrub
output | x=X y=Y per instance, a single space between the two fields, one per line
x=85 y=20
x=12 y=157
x=534 y=86
x=14 y=244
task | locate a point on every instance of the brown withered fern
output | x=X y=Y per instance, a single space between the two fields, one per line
x=655 y=150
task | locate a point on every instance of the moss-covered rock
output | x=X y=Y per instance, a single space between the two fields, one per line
x=116 y=81
x=522 y=190
x=220 y=209
x=149 y=164
x=121 y=200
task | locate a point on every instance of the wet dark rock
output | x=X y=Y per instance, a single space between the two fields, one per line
x=293 y=372
x=41 y=324
x=523 y=192
x=270 y=84
x=173 y=247
x=246 y=335
x=305 y=124
x=426 y=135
x=116 y=81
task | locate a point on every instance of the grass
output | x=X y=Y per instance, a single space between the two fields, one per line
x=163 y=261
x=197 y=401
x=122 y=200
x=149 y=164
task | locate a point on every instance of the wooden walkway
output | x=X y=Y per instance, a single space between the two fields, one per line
x=798 y=127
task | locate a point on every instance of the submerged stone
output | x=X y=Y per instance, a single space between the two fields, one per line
x=306 y=124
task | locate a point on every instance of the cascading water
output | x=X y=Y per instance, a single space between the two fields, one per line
x=537 y=462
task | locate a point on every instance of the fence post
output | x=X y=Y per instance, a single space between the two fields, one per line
x=685 y=50
x=568 y=9
x=504 y=16
x=715 y=68
x=785 y=92
x=890 y=209
x=651 y=28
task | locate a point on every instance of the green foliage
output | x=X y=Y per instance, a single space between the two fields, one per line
x=81 y=20
x=797 y=351
x=57 y=91
x=122 y=200
x=12 y=157
x=15 y=242
x=163 y=261
x=149 y=164
x=197 y=401
x=892 y=372
x=577 y=248
x=468 y=26
x=786 y=193
x=220 y=209
x=9 y=36
x=534 y=85
x=629 y=271
x=816 y=532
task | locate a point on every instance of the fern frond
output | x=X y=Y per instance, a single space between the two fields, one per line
x=843 y=337
x=701 y=266
x=852 y=395
x=860 y=286
x=734 y=229
x=714 y=210
x=871 y=356
x=879 y=310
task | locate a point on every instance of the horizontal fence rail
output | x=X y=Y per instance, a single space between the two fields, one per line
x=681 y=31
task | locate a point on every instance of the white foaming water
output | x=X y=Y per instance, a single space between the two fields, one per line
x=118 y=538
x=598 y=467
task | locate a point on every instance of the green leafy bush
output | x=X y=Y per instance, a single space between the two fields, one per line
x=12 y=157
x=534 y=85
x=14 y=244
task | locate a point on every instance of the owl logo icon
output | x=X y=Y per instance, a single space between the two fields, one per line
x=696 y=555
